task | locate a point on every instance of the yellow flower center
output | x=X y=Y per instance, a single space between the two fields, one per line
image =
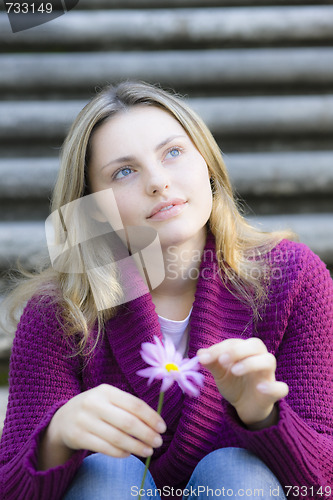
x=171 y=367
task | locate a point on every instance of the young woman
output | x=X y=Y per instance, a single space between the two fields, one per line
x=256 y=307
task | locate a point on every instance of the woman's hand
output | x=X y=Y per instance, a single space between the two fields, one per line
x=244 y=372
x=105 y=420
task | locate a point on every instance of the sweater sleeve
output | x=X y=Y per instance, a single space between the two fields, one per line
x=43 y=376
x=299 y=449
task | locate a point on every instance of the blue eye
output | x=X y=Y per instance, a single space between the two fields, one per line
x=124 y=171
x=173 y=153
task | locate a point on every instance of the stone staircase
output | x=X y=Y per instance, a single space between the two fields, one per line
x=259 y=72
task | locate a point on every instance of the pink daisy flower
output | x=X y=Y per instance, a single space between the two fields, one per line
x=167 y=364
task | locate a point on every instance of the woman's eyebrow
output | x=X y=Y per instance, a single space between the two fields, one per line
x=169 y=139
x=124 y=159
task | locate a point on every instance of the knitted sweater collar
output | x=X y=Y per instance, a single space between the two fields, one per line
x=216 y=315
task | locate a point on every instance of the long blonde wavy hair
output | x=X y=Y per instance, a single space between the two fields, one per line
x=240 y=247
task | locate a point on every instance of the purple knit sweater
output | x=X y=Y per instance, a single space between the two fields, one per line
x=296 y=325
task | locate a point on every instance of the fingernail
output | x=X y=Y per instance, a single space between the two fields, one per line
x=262 y=387
x=238 y=369
x=205 y=357
x=161 y=427
x=224 y=359
x=158 y=441
x=146 y=452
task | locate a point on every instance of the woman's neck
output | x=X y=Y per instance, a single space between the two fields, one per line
x=174 y=297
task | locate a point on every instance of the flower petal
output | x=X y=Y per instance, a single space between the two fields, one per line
x=152 y=373
x=178 y=359
x=167 y=383
x=147 y=372
x=190 y=364
x=150 y=354
x=160 y=351
x=170 y=350
x=158 y=356
x=188 y=387
x=196 y=377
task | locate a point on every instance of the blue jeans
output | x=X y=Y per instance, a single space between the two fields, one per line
x=224 y=473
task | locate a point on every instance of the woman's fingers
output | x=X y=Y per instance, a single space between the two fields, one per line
x=115 y=439
x=276 y=390
x=134 y=406
x=237 y=355
x=127 y=424
x=99 y=445
x=231 y=351
x=107 y=420
x=257 y=363
x=122 y=421
x=244 y=372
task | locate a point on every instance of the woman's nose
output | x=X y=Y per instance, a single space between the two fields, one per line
x=157 y=181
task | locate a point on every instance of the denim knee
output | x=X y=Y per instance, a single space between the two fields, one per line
x=108 y=478
x=233 y=472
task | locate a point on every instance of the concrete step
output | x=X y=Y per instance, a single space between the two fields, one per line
x=230 y=70
x=273 y=116
x=23 y=241
x=181 y=28
x=26 y=240
x=315 y=230
x=278 y=174
x=158 y=4
x=167 y=4
x=267 y=116
x=281 y=174
x=26 y=179
x=37 y=119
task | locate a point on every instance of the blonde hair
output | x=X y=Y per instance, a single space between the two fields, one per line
x=240 y=247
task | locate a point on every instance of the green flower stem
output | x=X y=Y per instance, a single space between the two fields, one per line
x=159 y=410
x=160 y=403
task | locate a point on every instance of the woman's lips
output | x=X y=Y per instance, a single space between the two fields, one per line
x=168 y=211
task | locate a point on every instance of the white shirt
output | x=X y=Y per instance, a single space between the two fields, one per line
x=176 y=331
